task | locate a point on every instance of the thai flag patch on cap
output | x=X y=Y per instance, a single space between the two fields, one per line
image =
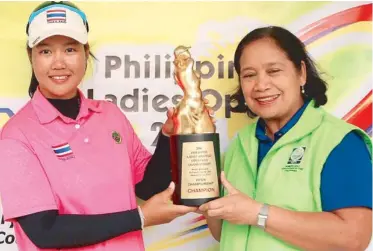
x=62 y=150
x=56 y=16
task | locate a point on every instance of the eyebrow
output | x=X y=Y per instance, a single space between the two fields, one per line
x=72 y=43
x=247 y=68
x=41 y=44
x=274 y=63
x=65 y=44
x=267 y=64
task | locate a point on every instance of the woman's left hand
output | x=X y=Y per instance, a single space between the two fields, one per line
x=168 y=126
x=236 y=207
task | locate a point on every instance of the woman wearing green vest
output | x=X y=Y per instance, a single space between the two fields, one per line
x=297 y=178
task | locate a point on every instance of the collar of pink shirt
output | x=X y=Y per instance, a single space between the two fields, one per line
x=47 y=113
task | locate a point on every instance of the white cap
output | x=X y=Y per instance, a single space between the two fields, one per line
x=57 y=19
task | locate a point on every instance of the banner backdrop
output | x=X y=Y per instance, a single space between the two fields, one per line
x=133 y=43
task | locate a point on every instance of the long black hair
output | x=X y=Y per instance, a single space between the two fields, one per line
x=34 y=83
x=315 y=87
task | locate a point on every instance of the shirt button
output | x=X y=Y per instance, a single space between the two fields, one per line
x=86 y=140
x=77 y=126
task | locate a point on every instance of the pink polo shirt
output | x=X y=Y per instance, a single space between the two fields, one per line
x=49 y=161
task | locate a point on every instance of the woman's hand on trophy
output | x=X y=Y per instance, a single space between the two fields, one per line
x=160 y=210
x=236 y=207
x=168 y=127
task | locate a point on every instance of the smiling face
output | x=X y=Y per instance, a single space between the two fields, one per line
x=59 y=64
x=269 y=80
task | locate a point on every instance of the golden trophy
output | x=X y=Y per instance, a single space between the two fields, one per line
x=195 y=146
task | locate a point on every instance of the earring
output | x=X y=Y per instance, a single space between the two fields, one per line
x=302 y=89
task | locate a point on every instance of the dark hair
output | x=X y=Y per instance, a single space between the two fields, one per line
x=34 y=83
x=315 y=87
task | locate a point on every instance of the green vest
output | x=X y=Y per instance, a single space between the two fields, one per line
x=288 y=177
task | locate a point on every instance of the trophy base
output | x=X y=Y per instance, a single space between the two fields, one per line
x=193 y=202
x=195 y=163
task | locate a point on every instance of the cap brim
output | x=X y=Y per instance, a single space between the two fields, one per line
x=78 y=36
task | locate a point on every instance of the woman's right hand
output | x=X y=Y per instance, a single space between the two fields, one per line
x=160 y=210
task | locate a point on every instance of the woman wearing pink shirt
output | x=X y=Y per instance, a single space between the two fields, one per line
x=71 y=167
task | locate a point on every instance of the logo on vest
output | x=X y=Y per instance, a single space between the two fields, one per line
x=295 y=159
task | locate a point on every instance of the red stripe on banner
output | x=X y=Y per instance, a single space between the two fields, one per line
x=357 y=14
x=361 y=114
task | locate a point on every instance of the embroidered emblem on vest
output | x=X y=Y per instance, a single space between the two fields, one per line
x=295 y=159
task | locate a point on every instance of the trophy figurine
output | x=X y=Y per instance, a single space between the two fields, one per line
x=195 y=147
